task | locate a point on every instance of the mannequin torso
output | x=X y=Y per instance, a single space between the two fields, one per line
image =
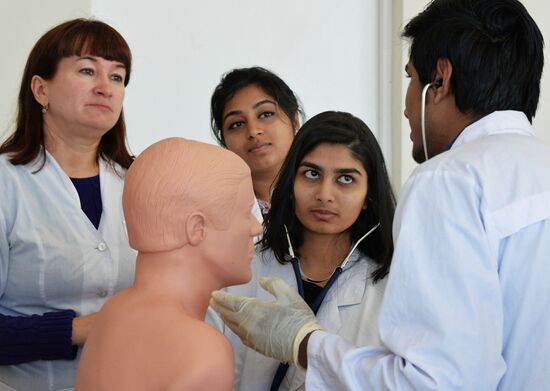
x=191 y=241
x=178 y=352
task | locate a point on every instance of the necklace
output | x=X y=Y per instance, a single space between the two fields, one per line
x=308 y=279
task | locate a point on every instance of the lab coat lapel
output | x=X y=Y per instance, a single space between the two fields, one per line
x=111 y=177
x=348 y=290
x=53 y=178
x=275 y=269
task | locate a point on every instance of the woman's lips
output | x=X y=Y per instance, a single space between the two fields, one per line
x=323 y=214
x=101 y=106
x=259 y=148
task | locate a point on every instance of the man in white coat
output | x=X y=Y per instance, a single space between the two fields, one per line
x=468 y=296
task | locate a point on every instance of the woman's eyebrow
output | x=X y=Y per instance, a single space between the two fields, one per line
x=256 y=105
x=343 y=170
x=91 y=58
x=348 y=171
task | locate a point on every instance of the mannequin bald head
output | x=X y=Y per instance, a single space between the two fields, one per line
x=174 y=179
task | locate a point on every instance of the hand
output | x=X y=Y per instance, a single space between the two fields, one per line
x=273 y=328
x=81 y=328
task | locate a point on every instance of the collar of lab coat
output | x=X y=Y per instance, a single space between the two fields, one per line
x=111 y=176
x=348 y=290
x=498 y=122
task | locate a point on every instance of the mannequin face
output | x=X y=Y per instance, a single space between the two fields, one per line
x=230 y=250
x=330 y=190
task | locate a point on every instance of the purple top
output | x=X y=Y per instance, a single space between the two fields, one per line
x=36 y=337
x=89 y=193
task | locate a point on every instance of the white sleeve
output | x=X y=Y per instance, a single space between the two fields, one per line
x=4 y=253
x=7 y=203
x=325 y=356
x=441 y=319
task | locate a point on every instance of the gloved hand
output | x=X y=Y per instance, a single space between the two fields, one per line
x=273 y=328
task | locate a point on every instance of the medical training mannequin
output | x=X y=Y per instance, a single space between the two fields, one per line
x=188 y=212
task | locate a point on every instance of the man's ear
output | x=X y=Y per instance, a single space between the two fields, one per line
x=443 y=73
x=39 y=90
x=195 y=228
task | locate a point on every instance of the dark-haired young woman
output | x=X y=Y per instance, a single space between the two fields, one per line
x=63 y=245
x=255 y=114
x=328 y=235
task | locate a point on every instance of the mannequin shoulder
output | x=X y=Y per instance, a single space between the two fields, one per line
x=212 y=366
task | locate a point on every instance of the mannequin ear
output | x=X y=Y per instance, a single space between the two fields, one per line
x=39 y=90
x=195 y=228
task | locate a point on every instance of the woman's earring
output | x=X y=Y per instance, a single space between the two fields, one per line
x=45 y=109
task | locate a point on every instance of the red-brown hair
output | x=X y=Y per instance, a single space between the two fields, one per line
x=74 y=37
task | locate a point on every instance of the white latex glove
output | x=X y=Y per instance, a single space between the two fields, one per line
x=273 y=328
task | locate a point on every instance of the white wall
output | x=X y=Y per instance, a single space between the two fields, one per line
x=404 y=10
x=540 y=11
x=326 y=53
x=331 y=56
x=21 y=24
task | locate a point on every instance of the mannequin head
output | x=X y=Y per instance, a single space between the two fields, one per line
x=188 y=209
x=175 y=183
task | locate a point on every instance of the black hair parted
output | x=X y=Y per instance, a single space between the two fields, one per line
x=239 y=78
x=494 y=47
x=334 y=127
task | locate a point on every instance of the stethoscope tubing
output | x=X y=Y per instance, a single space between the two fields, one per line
x=316 y=304
x=321 y=296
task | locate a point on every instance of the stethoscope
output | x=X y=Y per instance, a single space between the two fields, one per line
x=283 y=367
x=436 y=83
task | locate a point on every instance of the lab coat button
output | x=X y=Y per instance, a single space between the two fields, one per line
x=102 y=246
x=102 y=293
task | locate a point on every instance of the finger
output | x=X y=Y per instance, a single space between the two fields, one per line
x=233 y=321
x=227 y=301
x=280 y=289
x=233 y=314
x=225 y=313
x=243 y=332
x=238 y=329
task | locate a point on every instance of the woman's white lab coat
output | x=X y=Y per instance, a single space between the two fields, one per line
x=350 y=309
x=53 y=258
